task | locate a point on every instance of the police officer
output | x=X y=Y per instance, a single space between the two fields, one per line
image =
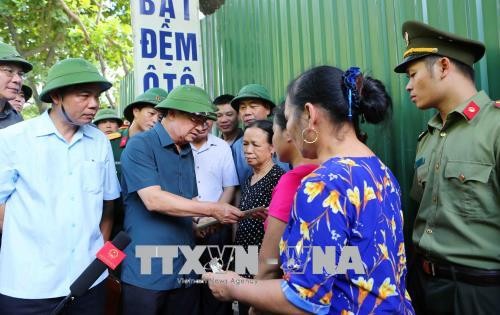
x=457 y=177
x=108 y=122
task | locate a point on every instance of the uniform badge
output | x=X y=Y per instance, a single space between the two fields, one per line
x=123 y=143
x=471 y=110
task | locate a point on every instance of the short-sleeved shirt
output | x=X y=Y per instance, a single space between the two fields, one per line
x=457 y=182
x=284 y=192
x=151 y=159
x=251 y=231
x=54 y=192
x=244 y=170
x=9 y=116
x=214 y=168
x=347 y=202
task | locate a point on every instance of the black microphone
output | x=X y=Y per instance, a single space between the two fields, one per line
x=91 y=273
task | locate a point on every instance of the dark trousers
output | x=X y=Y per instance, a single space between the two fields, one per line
x=141 y=301
x=209 y=305
x=91 y=303
x=439 y=296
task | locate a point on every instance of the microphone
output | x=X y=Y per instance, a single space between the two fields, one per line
x=109 y=255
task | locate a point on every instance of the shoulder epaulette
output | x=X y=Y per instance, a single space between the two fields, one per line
x=114 y=135
x=422 y=134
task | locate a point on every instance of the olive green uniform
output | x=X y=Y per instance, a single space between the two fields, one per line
x=456 y=233
x=118 y=142
x=457 y=184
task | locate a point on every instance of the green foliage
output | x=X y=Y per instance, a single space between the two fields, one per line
x=44 y=33
x=30 y=111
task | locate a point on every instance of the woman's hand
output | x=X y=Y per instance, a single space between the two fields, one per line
x=221 y=284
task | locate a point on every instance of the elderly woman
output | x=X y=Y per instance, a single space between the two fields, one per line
x=256 y=192
x=352 y=200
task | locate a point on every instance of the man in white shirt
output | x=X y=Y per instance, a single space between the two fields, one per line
x=216 y=180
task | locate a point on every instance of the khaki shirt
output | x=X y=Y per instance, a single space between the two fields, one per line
x=457 y=169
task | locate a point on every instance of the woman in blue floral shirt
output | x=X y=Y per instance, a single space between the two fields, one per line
x=351 y=205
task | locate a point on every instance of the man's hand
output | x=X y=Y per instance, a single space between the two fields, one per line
x=225 y=213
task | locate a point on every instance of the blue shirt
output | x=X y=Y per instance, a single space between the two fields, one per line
x=242 y=168
x=9 y=116
x=54 y=192
x=353 y=202
x=151 y=159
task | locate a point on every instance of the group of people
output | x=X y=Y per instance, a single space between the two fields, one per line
x=67 y=185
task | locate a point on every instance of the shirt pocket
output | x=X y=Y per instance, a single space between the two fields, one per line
x=420 y=179
x=93 y=176
x=465 y=182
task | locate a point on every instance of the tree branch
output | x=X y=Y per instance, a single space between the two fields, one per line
x=73 y=16
x=12 y=31
x=99 y=13
x=39 y=49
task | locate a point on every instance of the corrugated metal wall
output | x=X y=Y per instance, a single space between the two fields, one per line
x=126 y=92
x=272 y=41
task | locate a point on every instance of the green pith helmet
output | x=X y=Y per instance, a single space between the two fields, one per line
x=190 y=99
x=151 y=97
x=423 y=40
x=107 y=114
x=27 y=91
x=10 y=54
x=252 y=91
x=69 y=72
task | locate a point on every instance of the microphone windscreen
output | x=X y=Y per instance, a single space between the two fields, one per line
x=96 y=268
x=121 y=240
x=87 y=278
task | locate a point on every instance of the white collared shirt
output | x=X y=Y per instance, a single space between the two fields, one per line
x=214 y=168
x=54 y=194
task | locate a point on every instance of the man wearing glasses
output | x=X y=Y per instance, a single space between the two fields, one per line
x=158 y=184
x=12 y=70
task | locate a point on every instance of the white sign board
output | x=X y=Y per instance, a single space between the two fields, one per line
x=167 y=44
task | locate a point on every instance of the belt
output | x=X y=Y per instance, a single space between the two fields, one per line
x=474 y=276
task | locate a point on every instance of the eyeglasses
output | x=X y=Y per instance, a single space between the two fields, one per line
x=11 y=72
x=197 y=119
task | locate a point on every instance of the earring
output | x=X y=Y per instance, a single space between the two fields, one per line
x=316 y=135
